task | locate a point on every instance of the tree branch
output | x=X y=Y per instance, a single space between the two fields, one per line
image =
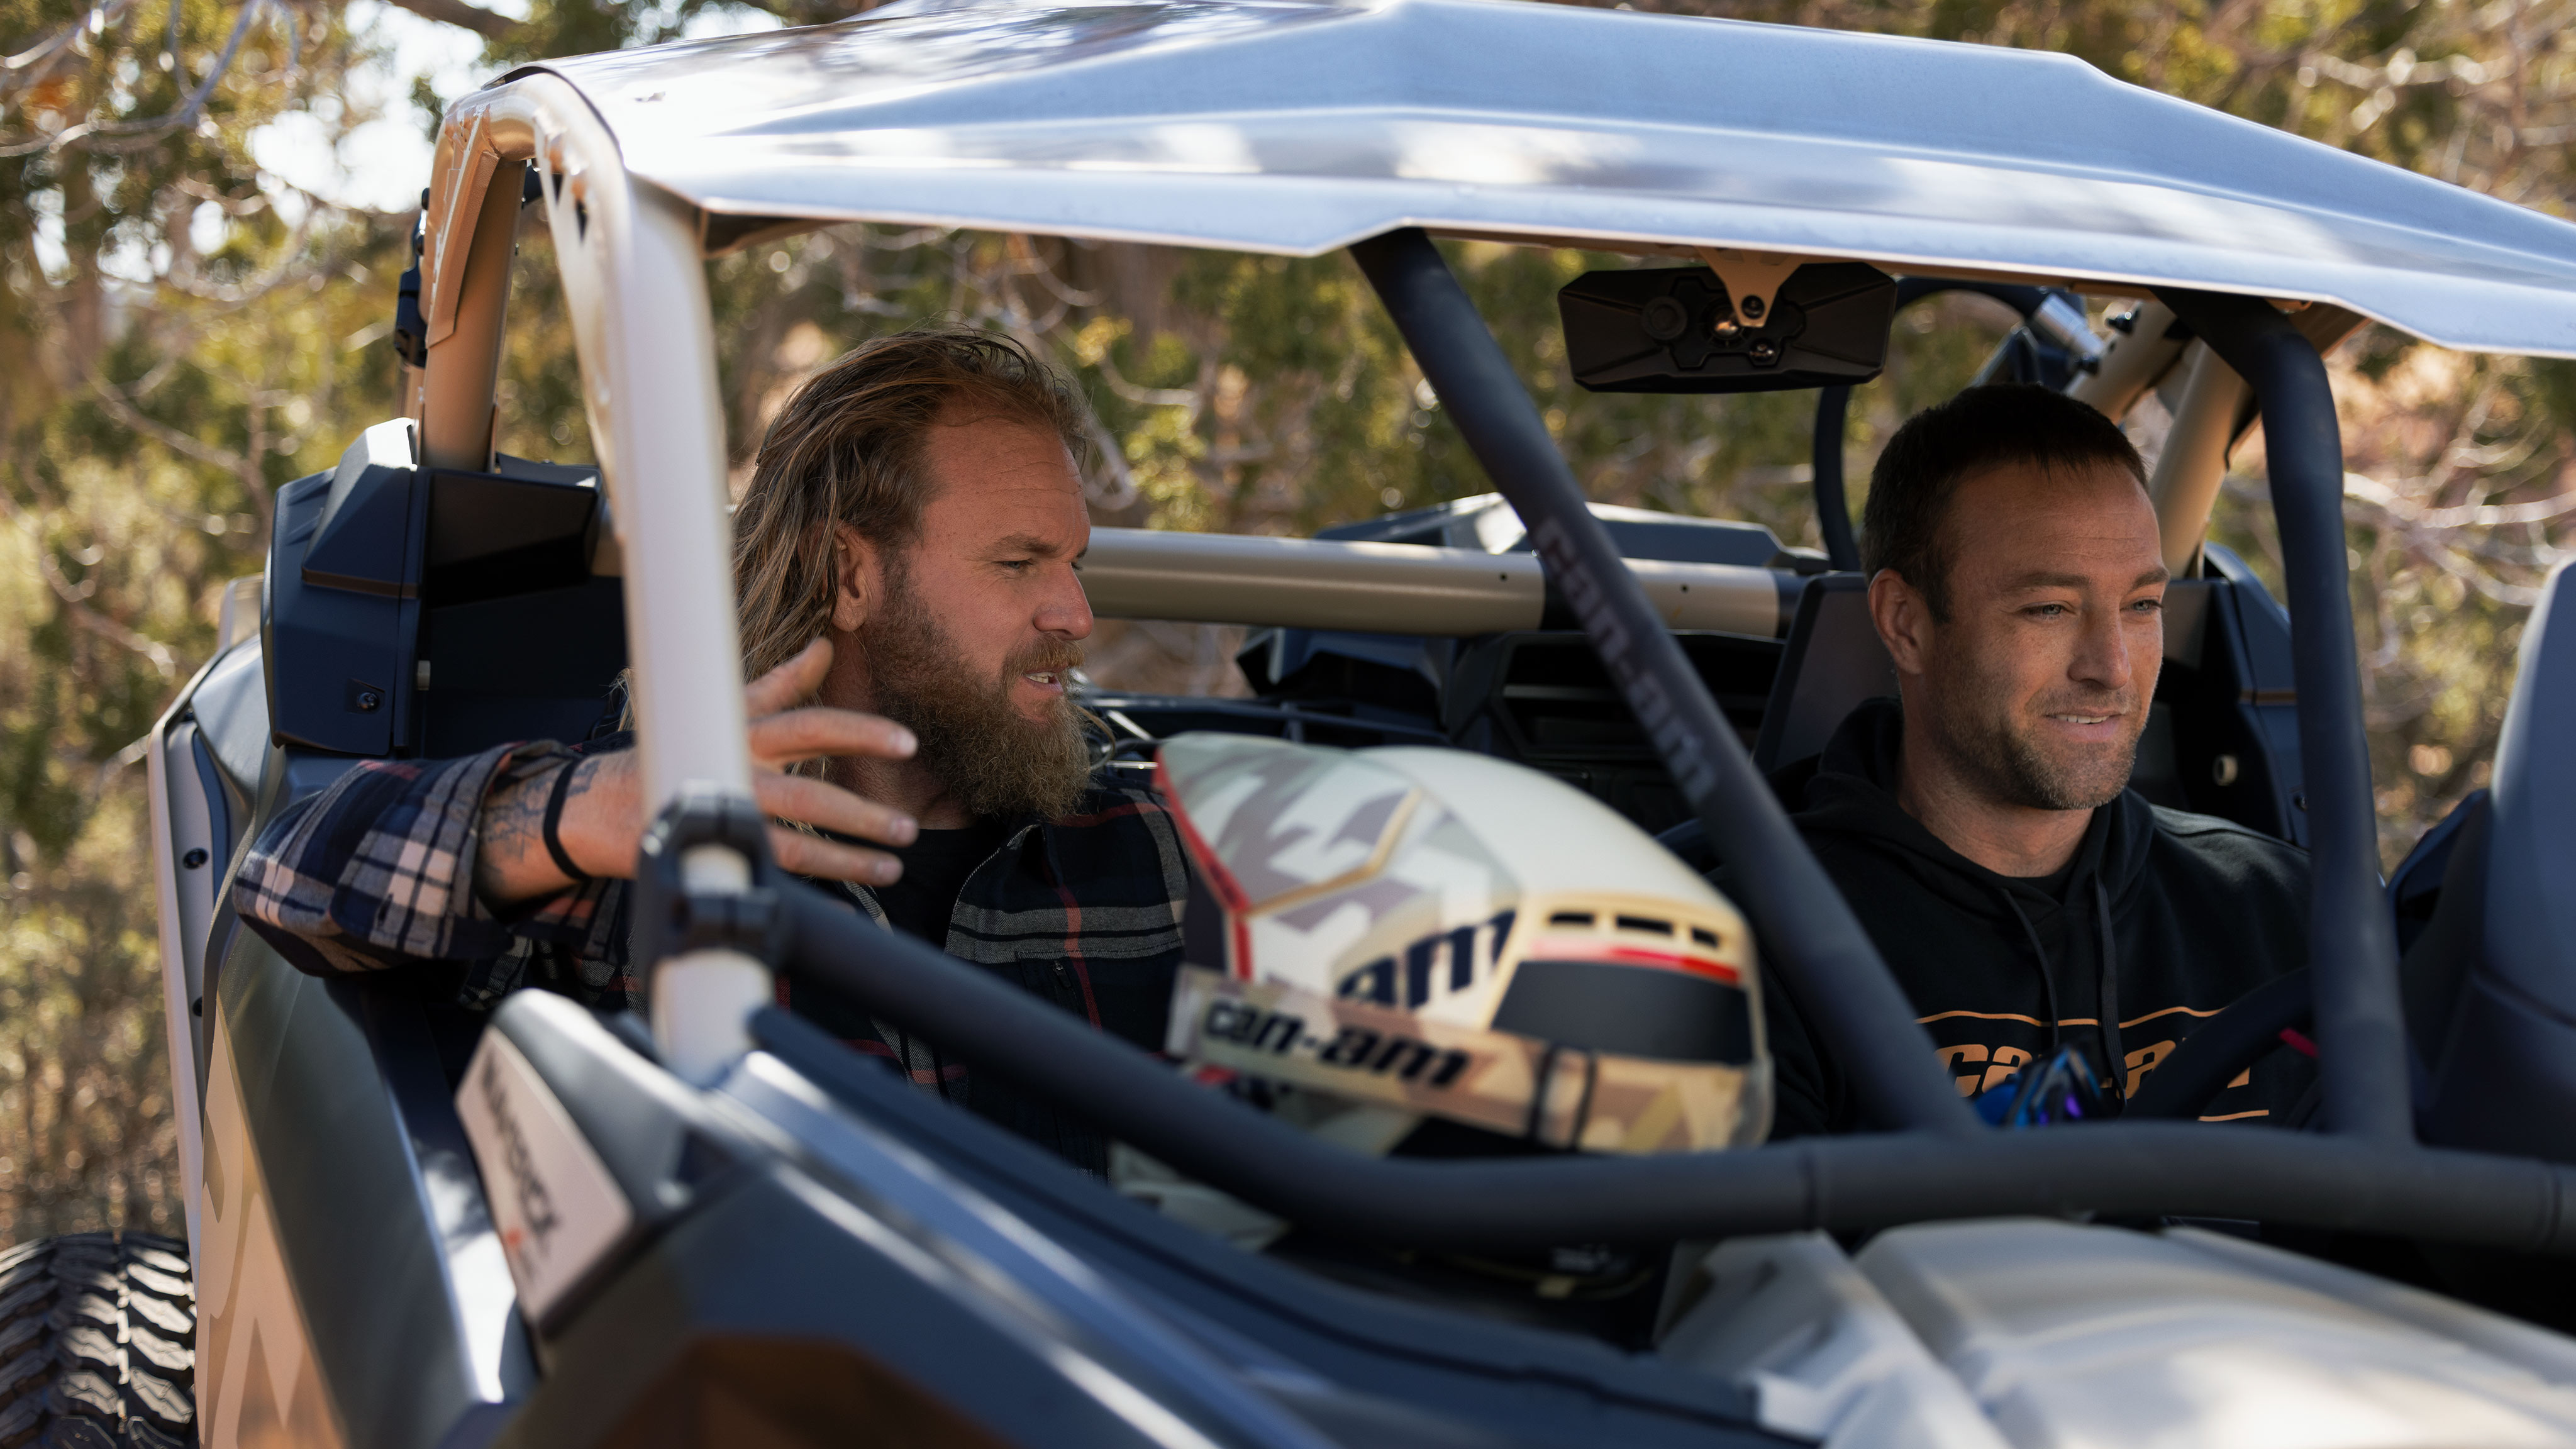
x=118 y=408
x=83 y=613
x=136 y=135
x=488 y=24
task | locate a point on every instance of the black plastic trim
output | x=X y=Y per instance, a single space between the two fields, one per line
x=338 y=639
x=1598 y=1006
x=670 y=917
x=1833 y=503
x=1522 y=1380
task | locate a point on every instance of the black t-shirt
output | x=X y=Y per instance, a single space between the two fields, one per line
x=935 y=868
x=1119 y=990
x=2054 y=884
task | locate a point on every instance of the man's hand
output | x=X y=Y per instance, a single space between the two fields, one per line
x=603 y=816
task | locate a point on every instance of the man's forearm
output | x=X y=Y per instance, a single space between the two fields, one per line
x=511 y=862
x=366 y=875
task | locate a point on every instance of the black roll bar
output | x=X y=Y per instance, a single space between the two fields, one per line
x=1505 y=1204
x=1819 y=949
x=1833 y=506
x=1833 y=410
x=2352 y=941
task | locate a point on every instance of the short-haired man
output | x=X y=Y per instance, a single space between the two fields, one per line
x=905 y=562
x=1981 y=825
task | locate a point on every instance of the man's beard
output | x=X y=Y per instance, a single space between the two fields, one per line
x=995 y=760
x=2003 y=755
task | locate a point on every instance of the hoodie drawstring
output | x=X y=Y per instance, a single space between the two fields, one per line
x=2039 y=957
x=2107 y=989
x=2116 y=1063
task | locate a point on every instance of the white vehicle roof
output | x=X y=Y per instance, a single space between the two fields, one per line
x=1298 y=127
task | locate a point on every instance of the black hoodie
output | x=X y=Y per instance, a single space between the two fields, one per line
x=2164 y=916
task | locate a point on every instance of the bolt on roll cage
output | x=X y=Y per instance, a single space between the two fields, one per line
x=631 y=257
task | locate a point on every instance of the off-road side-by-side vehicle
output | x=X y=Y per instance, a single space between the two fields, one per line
x=411 y=1225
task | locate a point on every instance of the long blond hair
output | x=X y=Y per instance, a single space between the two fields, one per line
x=847 y=450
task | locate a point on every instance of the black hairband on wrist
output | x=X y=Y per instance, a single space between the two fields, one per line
x=554 y=819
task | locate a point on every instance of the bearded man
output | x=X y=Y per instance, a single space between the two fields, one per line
x=1980 y=824
x=905 y=560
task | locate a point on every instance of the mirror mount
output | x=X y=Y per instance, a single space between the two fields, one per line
x=1765 y=324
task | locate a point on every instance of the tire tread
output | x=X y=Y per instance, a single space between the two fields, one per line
x=97 y=1343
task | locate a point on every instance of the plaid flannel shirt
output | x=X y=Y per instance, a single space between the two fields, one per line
x=377 y=872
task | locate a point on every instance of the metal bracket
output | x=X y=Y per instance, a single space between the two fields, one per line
x=411 y=332
x=1751 y=278
x=672 y=918
x=2060 y=320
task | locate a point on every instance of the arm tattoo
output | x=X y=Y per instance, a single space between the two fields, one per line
x=511 y=820
x=511 y=827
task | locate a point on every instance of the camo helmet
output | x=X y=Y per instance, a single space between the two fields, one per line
x=1404 y=933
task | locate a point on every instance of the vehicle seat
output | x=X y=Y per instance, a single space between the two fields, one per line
x=2416 y=887
x=1830 y=664
x=2494 y=970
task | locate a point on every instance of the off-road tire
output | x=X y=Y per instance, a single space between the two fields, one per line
x=98 y=1343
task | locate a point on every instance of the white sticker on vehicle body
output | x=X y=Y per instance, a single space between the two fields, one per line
x=553 y=1200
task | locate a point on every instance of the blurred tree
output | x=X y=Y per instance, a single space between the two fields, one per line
x=180 y=331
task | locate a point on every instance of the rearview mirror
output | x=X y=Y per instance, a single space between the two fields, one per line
x=1673 y=329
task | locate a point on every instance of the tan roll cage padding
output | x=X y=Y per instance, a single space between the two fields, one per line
x=2211 y=412
x=1384 y=588
x=2132 y=363
x=471 y=234
x=2193 y=463
x=635 y=286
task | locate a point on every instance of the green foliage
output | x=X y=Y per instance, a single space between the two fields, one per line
x=175 y=329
